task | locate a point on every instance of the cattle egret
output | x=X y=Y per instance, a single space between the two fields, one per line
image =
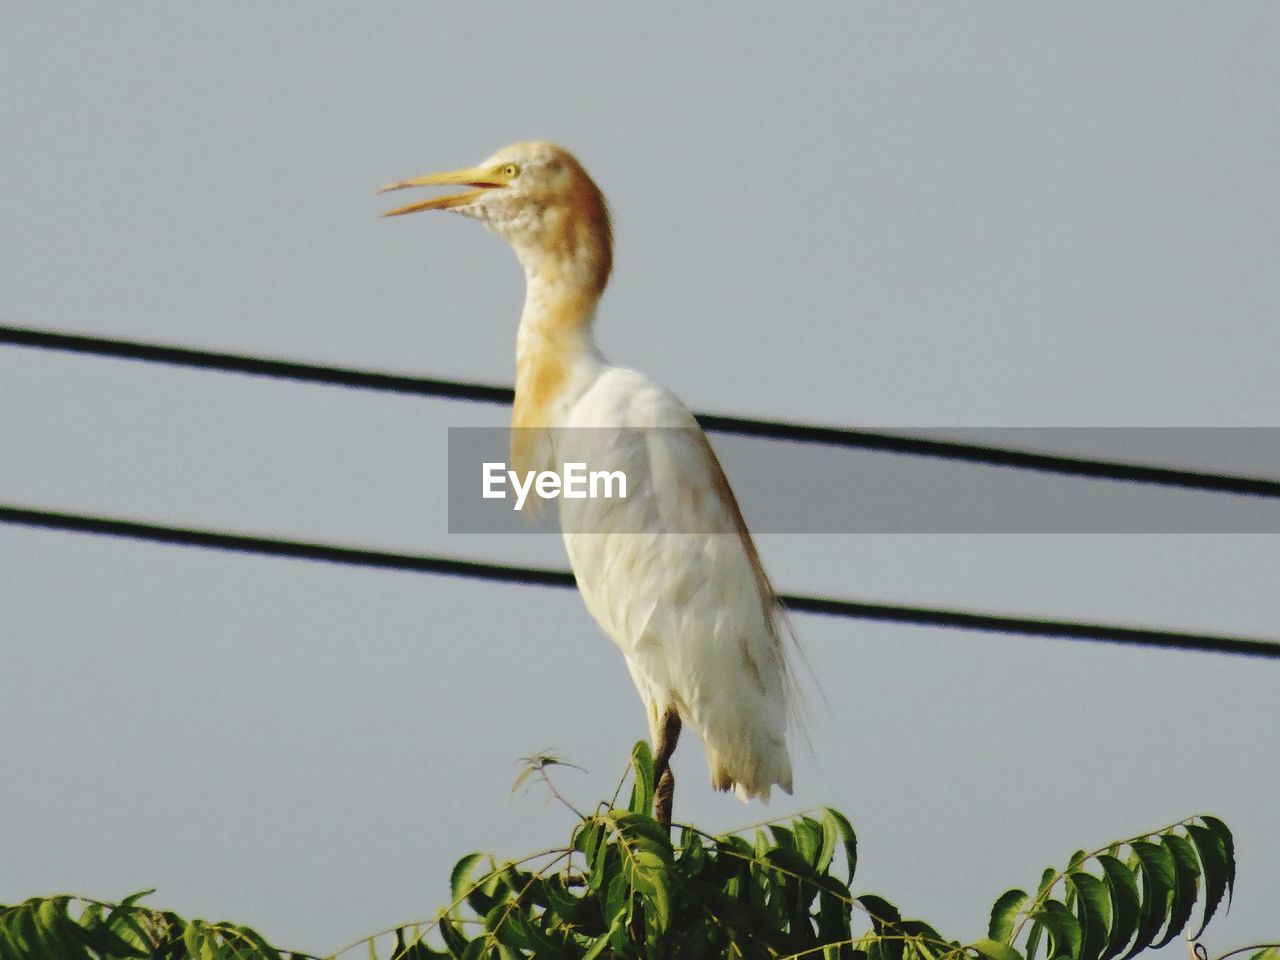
x=670 y=573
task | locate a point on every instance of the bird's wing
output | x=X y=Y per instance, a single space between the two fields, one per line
x=673 y=577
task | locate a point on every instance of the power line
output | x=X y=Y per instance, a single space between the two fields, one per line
x=720 y=423
x=255 y=366
x=533 y=576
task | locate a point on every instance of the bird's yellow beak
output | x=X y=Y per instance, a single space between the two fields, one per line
x=478 y=177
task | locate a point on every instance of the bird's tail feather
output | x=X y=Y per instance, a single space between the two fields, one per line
x=758 y=781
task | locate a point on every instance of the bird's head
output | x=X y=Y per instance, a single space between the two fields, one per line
x=541 y=200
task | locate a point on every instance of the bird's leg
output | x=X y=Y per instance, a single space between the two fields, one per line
x=664 y=779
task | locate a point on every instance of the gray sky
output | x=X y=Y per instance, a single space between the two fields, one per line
x=879 y=215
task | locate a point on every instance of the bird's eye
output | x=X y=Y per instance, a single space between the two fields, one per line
x=510 y=170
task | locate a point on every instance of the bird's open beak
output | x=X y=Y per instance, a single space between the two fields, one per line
x=477 y=177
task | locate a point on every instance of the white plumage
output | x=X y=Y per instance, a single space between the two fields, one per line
x=666 y=575
x=670 y=572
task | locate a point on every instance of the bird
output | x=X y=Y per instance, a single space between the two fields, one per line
x=670 y=573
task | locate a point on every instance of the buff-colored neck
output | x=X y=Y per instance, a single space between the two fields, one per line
x=556 y=359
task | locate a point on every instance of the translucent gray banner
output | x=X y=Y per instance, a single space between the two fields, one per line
x=790 y=487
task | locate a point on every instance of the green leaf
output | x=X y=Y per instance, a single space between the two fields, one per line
x=1185 y=876
x=454 y=941
x=808 y=834
x=102 y=939
x=1093 y=910
x=251 y=943
x=642 y=770
x=52 y=927
x=643 y=827
x=833 y=917
x=133 y=898
x=1124 y=904
x=123 y=921
x=660 y=901
x=25 y=929
x=884 y=920
x=460 y=877
x=922 y=940
x=1047 y=880
x=1157 y=888
x=511 y=877
x=508 y=925
x=600 y=943
x=597 y=946
x=1062 y=927
x=1229 y=848
x=850 y=839
x=1213 y=862
x=585 y=837
x=564 y=904
x=517 y=931
x=996 y=950
x=599 y=864
x=617 y=901
x=830 y=837
x=417 y=948
x=10 y=949
x=646 y=869
x=789 y=862
x=1228 y=842
x=1033 y=938
x=782 y=837
x=1003 y=914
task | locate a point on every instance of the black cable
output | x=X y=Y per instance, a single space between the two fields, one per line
x=745 y=426
x=255 y=366
x=992 y=456
x=505 y=573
